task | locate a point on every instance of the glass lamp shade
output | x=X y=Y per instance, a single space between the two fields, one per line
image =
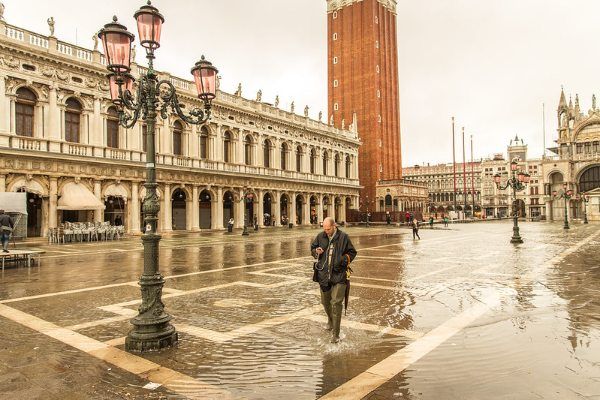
x=497 y=178
x=513 y=166
x=554 y=193
x=205 y=77
x=527 y=178
x=521 y=176
x=149 y=22
x=569 y=193
x=116 y=40
x=114 y=80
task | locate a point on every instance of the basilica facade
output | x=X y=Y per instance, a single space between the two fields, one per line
x=61 y=143
x=575 y=164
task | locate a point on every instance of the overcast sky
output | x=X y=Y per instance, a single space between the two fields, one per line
x=489 y=63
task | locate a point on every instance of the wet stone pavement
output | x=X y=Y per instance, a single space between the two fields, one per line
x=460 y=314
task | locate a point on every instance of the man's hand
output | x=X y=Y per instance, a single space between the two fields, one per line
x=319 y=250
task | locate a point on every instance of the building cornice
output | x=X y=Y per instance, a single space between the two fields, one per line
x=334 y=5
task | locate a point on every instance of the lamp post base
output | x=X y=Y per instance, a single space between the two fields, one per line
x=151 y=337
x=566 y=226
x=516 y=239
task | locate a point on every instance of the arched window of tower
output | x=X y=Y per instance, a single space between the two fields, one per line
x=376 y=19
x=377 y=68
x=336 y=107
x=335 y=83
x=377 y=44
x=378 y=93
x=334 y=14
x=335 y=36
x=335 y=60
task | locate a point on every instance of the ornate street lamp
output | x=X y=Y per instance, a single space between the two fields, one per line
x=585 y=198
x=564 y=194
x=247 y=199
x=517 y=182
x=151 y=327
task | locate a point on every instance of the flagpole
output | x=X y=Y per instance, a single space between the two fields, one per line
x=454 y=163
x=465 y=196
x=472 y=178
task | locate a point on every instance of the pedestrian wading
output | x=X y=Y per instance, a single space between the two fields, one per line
x=334 y=252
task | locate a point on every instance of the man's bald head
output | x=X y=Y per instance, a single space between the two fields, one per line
x=329 y=226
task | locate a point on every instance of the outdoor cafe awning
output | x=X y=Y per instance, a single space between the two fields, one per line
x=75 y=196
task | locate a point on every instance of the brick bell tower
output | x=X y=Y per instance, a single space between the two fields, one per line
x=363 y=79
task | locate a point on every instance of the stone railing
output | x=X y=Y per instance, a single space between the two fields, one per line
x=41 y=146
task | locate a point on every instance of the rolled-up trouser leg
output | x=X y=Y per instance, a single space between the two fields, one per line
x=337 y=299
x=326 y=301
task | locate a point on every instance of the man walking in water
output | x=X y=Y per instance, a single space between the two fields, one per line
x=334 y=251
x=6 y=228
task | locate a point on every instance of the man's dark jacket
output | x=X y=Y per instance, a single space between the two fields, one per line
x=6 y=220
x=336 y=273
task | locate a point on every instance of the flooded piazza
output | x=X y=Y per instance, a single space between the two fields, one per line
x=460 y=314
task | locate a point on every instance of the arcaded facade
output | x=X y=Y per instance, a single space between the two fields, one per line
x=60 y=141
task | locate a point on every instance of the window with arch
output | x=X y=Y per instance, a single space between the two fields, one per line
x=336 y=165
x=177 y=138
x=325 y=162
x=267 y=153
x=313 y=157
x=590 y=179
x=348 y=164
x=204 y=143
x=72 y=120
x=284 y=155
x=227 y=146
x=299 y=158
x=24 y=109
x=112 y=128
x=248 y=142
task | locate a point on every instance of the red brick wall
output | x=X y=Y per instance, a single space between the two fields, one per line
x=358 y=81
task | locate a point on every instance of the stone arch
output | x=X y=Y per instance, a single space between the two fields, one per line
x=33 y=185
x=588 y=178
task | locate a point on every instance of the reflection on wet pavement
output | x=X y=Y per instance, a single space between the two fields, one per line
x=461 y=314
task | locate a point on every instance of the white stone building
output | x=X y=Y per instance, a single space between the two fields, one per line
x=60 y=142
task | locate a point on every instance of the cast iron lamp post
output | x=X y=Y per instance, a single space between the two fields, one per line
x=151 y=327
x=245 y=201
x=517 y=182
x=564 y=194
x=585 y=198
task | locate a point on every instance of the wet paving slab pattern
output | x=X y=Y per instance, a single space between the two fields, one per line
x=460 y=314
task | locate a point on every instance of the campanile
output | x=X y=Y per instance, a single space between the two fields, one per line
x=363 y=80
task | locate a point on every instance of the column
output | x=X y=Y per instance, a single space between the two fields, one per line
x=276 y=156
x=53 y=114
x=239 y=157
x=195 y=211
x=4 y=106
x=99 y=213
x=134 y=206
x=216 y=213
x=189 y=212
x=276 y=207
x=292 y=216
x=259 y=209
x=217 y=144
x=319 y=208
x=53 y=212
x=239 y=209
x=2 y=183
x=306 y=210
x=260 y=153
x=96 y=136
x=45 y=216
x=167 y=209
x=343 y=209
